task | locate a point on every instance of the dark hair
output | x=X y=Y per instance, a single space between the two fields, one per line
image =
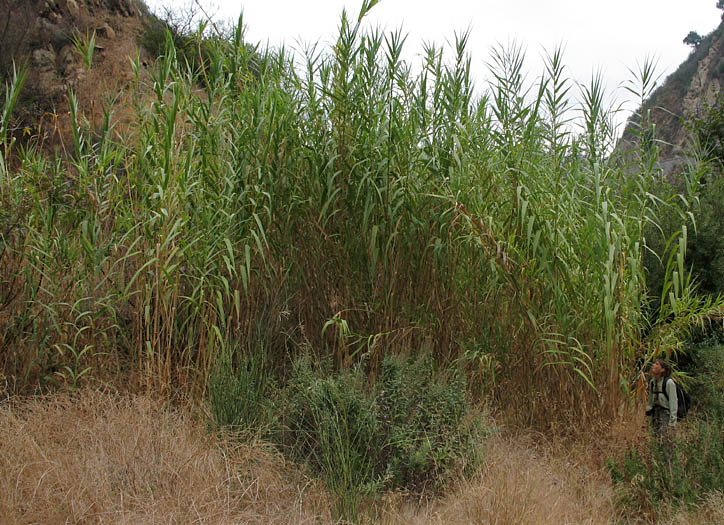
x=663 y=363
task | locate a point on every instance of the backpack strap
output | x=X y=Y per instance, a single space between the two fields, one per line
x=663 y=387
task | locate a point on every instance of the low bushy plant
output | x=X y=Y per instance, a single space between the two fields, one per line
x=682 y=470
x=423 y=420
x=332 y=423
x=409 y=431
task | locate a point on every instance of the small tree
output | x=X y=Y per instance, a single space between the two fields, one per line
x=693 y=39
x=720 y=4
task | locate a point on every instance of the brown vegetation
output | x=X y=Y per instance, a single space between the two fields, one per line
x=97 y=457
x=100 y=457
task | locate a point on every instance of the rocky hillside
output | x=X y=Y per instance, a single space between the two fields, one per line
x=685 y=93
x=43 y=36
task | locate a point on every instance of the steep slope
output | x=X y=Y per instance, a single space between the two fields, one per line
x=683 y=94
x=43 y=36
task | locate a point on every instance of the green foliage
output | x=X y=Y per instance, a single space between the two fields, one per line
x=341 y=185
x=425 y=424
x=240 y=386
x=12 y=91
x=410 y=431
x=704 y=248
x=705 y=366
x=692 y=39
x=683 y=470
x=705 y=252
x=332 y=423
x=85 y=46
x=708 y=128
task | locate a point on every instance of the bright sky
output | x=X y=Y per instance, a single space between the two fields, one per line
x=610 y=36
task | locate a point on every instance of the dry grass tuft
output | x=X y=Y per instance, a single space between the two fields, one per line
x=105 y=458
x=709 y=512
x=521 y=484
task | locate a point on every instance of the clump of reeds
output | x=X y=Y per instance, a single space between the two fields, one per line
x=351 y=204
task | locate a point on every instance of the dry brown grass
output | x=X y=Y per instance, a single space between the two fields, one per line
x=98 y=457
x=105 y=458
x=520 y=483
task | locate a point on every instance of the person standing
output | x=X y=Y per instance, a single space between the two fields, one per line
x=663 y=403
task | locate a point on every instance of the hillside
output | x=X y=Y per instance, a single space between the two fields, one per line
x=46 y=37
x=683 y=94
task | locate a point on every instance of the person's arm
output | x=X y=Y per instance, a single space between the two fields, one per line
x=673 y=401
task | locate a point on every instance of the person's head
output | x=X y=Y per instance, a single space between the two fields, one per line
x=660 y=368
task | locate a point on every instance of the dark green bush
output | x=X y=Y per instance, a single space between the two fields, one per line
x=423 y=421
x=409 y=432
x=706 y=367
x=332 y=424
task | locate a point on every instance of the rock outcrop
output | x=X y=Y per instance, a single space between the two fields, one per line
x=46 y=37
x=685 y=93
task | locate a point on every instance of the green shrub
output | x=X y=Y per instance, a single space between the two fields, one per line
x=423 y=420
x=706 y=368
x=682 y=471
x=331 y=422
x=407 y=432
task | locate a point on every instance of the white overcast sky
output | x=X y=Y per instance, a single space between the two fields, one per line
x=610 y=36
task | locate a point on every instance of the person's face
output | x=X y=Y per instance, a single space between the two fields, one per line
x=657 y=369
